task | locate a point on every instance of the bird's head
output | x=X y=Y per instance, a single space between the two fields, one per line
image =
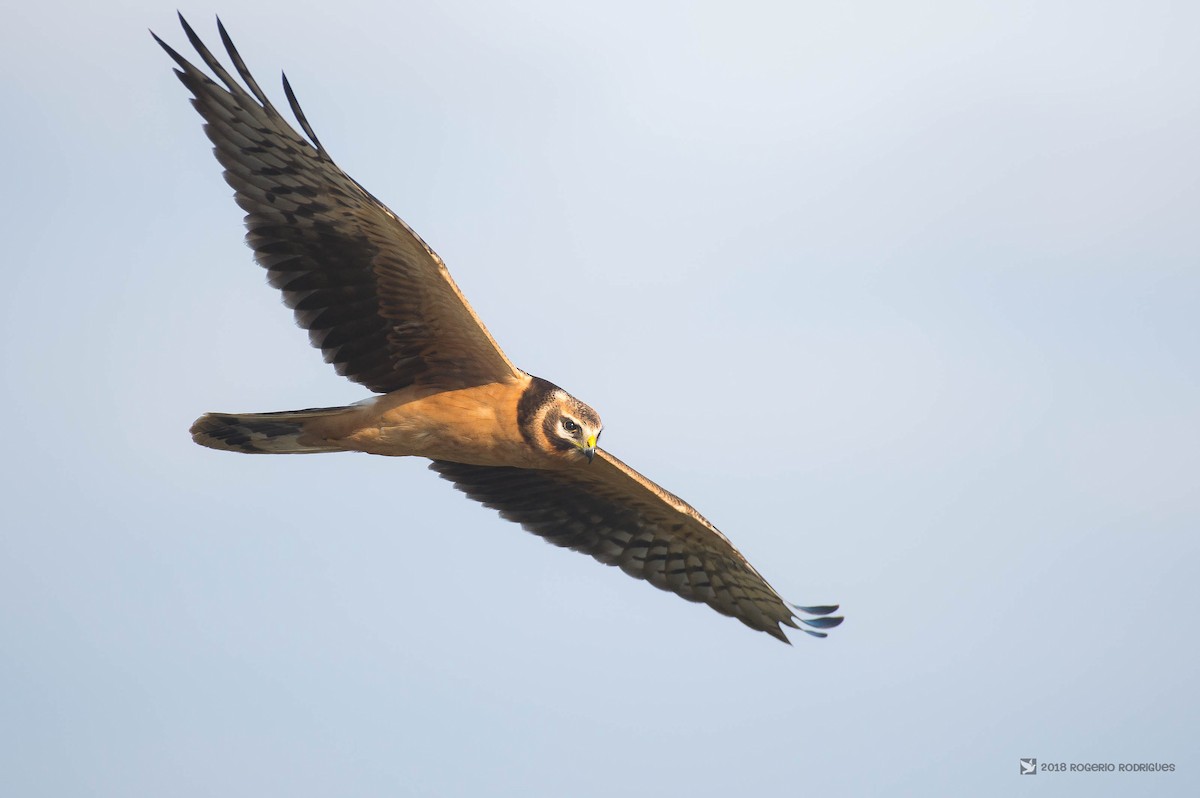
x=558 y=423
x=573 y=427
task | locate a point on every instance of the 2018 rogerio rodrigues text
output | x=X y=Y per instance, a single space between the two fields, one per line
x=1030 y=767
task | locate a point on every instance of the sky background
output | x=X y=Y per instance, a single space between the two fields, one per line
x=903 y=297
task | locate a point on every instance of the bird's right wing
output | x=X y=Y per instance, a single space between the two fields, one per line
x=376 y=300
x=616 y=515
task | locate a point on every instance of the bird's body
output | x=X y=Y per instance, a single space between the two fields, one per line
x=478 y=425
x=385 y=312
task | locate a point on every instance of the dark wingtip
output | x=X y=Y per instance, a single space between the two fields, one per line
x=187 y=29
x=778 y=634
x=176 y=57
x=300 y=117
x=244 y=72
x=226 y=39
x=823 y=623
x=823 y=619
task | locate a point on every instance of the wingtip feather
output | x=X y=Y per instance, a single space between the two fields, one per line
x=243 y=71
x=300 y=117
x=823 y=623
x=777 y=633
x=824 y=609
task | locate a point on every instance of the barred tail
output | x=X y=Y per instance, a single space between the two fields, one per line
x=264 y=433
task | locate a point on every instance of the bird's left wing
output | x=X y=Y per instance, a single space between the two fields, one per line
x=608 y=510
x=375 y=299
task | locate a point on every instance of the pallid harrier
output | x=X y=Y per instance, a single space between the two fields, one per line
x=380 y=305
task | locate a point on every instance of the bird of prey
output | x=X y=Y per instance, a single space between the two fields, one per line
x=383 y=309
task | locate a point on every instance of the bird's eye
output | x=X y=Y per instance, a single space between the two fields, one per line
x=570 y=426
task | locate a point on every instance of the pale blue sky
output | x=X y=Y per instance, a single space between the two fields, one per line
x=902 y=296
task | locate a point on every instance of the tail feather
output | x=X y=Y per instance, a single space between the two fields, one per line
x=264 y=433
